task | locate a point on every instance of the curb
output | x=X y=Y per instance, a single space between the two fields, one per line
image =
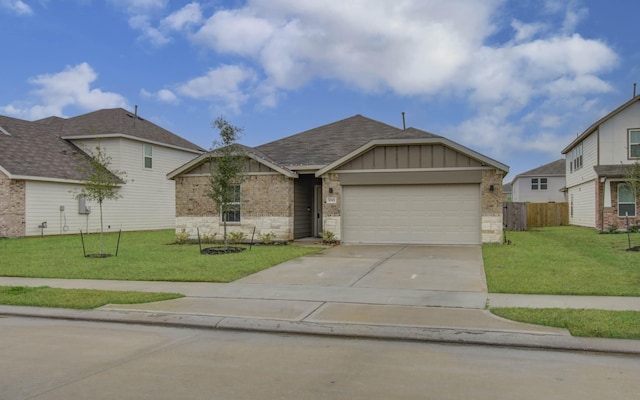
x=538 y=341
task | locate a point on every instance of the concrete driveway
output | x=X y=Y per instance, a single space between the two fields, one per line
x=431 y=268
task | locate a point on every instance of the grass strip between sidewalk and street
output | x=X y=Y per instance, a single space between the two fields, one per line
x=586 y=323
x=82 y=299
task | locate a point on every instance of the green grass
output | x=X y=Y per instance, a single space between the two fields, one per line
x=141 y=256
x=45 y=296
x=586 y=323
x=564 y=260
x=567 y=261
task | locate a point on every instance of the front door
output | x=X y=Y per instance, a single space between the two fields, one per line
x=317 y=210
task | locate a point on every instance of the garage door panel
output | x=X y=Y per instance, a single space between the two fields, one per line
x=431 y=214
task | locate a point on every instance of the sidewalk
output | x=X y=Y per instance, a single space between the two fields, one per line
x=398 y=314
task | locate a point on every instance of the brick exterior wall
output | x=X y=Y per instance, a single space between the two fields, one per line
x=267 y=205
x=610 y=214
x=12 y=207
x=331 y=211
x=492 y=227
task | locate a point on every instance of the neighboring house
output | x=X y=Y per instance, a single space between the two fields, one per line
x=507 y=192
x=595 y=167
x=40 y=165
x=362 y=180
x=543 y=184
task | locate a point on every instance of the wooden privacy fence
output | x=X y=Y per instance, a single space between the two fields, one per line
x=521 y=216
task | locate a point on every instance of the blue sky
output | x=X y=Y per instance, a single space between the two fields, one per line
x=514 y=80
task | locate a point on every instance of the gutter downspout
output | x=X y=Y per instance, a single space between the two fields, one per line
x=604 y=188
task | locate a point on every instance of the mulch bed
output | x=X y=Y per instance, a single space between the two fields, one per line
x=98 y=255
x=222 y=250
x=636 y=248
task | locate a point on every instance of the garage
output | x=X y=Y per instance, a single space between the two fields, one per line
x=412 y=214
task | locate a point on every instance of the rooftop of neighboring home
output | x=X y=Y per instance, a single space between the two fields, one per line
x=44 y=148
x=554 y=168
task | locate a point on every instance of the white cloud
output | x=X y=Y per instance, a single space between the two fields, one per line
x=163 y=95
x=16 y=6
x=189 y=15
x=70 y=87
x=226 y=84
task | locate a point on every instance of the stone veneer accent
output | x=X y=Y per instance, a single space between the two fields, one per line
x=492 y=226
x=12 y=207
x=267 y=205
x=331 y=212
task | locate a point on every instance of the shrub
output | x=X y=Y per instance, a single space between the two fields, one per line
x=181 y=237
x=613 y=229
x=209 y=238
x=267 y=238
x=236 y=237
x=327 y=237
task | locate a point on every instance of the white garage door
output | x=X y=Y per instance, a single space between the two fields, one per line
x=419 y=214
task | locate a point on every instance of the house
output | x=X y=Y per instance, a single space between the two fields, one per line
x=360 y=179
x=595 y=168
x=40 y=163
x=543 y=184
x=507 y=192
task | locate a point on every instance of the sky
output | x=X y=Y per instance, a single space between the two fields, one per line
x=513 y=80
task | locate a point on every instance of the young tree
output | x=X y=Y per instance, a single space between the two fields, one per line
x=227 y=163
x=102 y=182
x=632 y=176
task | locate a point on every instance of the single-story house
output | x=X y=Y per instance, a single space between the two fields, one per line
x=542 y=184
x=595 y=165
x=41 y=165
x=362 y=180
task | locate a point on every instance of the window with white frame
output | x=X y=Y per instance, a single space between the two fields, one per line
x=634 y=143
x=575 y=160
x=232 y=212
x=148 y=156
x=539 y=184
x=626 y=201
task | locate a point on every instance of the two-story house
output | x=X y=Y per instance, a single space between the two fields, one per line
x=595 y=168
x=41 y=166
x=543 y=184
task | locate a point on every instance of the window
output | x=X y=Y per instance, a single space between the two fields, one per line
x=148 y=152
x=575 y=160
x=626 y=201
x=232 y=213
x=634 y=144
x=538 y=183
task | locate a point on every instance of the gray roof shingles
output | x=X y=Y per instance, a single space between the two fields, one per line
x=325 y=144
x=37 y=149
x=554 y=168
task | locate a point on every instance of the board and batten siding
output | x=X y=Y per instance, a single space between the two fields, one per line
x=147 y=202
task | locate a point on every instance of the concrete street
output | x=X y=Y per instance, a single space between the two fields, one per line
x=53 y=359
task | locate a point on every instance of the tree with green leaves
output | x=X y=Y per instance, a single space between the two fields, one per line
x=227 y=161
x=102 y=182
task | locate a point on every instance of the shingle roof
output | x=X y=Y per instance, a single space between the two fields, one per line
x=39 y=148
x=322 y=145
x=554 y=168
x=36 y=150
x=611 y=171
x=118 y=121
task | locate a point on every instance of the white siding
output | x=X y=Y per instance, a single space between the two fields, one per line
x=148 y=197
x=584 y=204
x=613 y=136
x=589 y=160
x=522 y=190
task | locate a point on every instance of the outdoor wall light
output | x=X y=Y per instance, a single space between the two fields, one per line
x=330 y=190
x=491 y=188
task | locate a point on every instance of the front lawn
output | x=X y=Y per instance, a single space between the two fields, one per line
x=564 y=260
x=567 y=261
x=141 y=256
